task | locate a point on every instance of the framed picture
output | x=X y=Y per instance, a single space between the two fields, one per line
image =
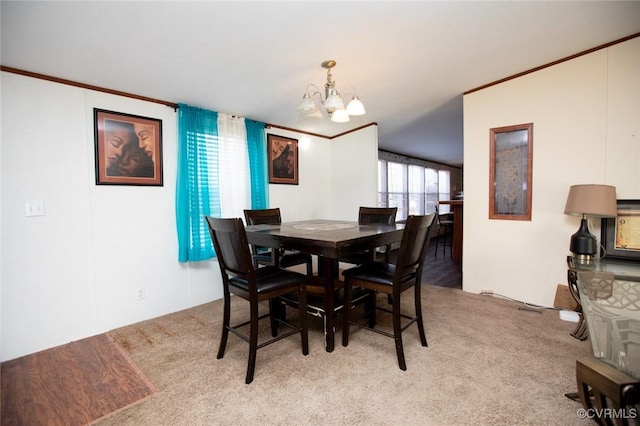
x=283 y=159
x=128 y=149
x=511 y=163
x=620 y=236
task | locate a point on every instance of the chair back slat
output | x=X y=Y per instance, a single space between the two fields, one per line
x=232 y=248
x=263 y=217
x=412 y=247
x=385 y=215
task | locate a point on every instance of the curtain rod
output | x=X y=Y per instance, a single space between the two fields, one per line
x=86 y=86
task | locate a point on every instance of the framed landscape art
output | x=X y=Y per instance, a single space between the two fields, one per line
x=128 y=149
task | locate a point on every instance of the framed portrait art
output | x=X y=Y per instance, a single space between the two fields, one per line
x=283 y=159
x=128 y=149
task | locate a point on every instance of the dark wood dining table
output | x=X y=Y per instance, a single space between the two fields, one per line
x=329 y=240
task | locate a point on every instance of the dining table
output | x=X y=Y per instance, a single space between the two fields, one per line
x=330 y=240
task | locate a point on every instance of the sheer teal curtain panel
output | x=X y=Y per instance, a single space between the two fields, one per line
x=200 y=186
x=197 y=181
x=257 y=147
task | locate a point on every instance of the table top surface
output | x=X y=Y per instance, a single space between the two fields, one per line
x=324 y=230
x=331 y=238
x=623 y=269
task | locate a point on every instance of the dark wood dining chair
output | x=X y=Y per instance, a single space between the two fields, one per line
x=255 y=285
x=370 y=215
x=265 y=255
x=444 y=232
x=392 y=280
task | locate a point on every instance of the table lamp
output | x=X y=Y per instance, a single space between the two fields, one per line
x=592 y=200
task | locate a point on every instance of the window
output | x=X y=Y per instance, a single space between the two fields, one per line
x=397 y=188
x=221 y=171
x=444 y=190
x=431 y=189
x=414 y=189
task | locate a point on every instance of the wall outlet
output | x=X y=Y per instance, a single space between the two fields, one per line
x=140 y=294
x=486 y=292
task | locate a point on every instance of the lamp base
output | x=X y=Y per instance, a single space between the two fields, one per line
x=583 y=259
x=583 y=243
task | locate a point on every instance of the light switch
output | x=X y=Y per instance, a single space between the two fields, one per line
x=34 y=208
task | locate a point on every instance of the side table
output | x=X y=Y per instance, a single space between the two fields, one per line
x=609 y=382
x=628 y=270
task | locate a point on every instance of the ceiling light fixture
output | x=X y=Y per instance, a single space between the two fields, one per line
x=331 y=101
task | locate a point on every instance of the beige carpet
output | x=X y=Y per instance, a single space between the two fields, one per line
x=488 y=363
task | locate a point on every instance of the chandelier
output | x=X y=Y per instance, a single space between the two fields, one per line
x=331 y=101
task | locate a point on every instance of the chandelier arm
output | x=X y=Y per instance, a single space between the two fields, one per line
x=316 y=91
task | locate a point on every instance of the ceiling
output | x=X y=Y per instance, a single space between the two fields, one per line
x=409 y=62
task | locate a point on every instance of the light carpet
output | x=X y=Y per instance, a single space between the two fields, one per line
x=488 y=363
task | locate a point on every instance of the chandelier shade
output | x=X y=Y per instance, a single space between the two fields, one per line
x=332 y=101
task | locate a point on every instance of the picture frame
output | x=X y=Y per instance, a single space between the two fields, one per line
x=511 y=165
x=128 y=149
x=282 y=154
x=620 y=235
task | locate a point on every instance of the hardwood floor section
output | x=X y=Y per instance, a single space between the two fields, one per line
x=439 y=270
x=72 y=384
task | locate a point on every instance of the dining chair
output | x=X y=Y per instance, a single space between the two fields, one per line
x=444 y=233
x=265 y=255
x=390 y=279
x=371 y=215
x=255 y=285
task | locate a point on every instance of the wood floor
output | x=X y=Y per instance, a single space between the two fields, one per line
x=440 y=269
x=72 y=384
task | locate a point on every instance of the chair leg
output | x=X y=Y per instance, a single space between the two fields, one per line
x=397 y=333
x=371 y=306
x=225 y=325
x=346 y=310
x=302 y=312
x=275 y=313
x=253 y=342
x=309 y=268
x=418 y=303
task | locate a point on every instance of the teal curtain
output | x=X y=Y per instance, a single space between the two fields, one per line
x=257 y=147
x=197 y=181
x=198 y=178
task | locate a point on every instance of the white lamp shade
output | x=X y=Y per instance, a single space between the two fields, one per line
x=307 y=105
x=355 y=107
x=313 y=114
x=334 y=101
x=340 y=116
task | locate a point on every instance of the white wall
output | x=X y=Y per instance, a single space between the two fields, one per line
x=75 y=272
x=325 y=165
x=586 y=117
